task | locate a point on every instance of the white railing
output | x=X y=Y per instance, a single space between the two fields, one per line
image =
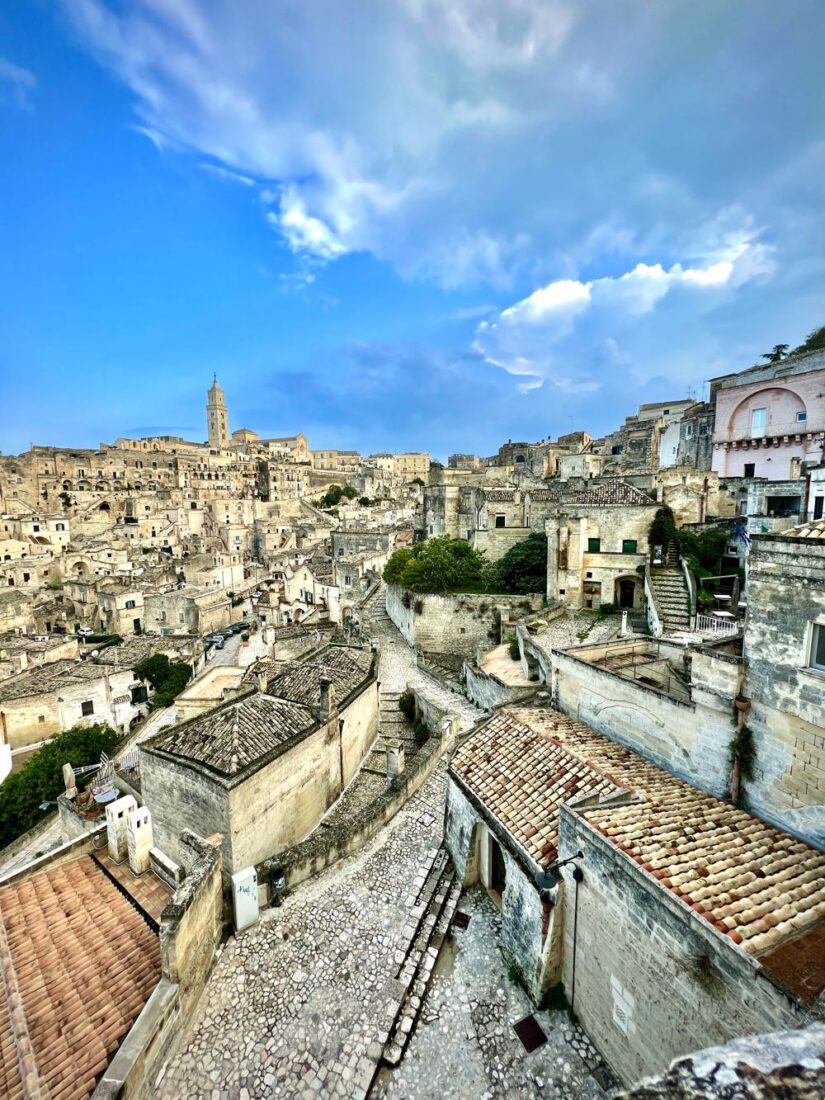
x=709 y=624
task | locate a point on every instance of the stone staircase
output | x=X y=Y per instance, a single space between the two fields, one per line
x=431 y=911
x=672 y=597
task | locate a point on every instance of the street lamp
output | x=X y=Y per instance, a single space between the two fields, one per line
x=549 y=878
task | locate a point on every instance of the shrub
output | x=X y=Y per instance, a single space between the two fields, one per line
x=418 y=607
x=437 y=565
x=513 y=649
x=607 y=608
x=406 y=704
x=41 y=778
x=406 y=600
x=662 y=530
x=704 y=598
x=422 y=732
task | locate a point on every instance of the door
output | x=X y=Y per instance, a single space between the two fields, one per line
x=498 y=870
x=627 y=592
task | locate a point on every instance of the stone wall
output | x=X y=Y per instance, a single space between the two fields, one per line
x=455 y=623
x=531 y=938
x=786 y=596
x=326 y=846
x=652 y=981
x=487 y=691
x=688 y=739
x=191 y=925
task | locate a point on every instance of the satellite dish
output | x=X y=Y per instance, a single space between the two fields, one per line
x=95 y=653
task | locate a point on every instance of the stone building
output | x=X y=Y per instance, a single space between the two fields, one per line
x=770 y=419
x=596 y=540
x=37 y=704
x=263 y=769
x=785 y=682
x=186 y=610
x=217 y=417
x=681 y=923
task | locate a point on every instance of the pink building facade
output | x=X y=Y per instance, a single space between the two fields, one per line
x=770 y=421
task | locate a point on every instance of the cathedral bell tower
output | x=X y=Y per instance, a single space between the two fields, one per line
x=217 y=417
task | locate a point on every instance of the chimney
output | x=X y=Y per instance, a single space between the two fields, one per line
x=327 y=707
x=261 y=678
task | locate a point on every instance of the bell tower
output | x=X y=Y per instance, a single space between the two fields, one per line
x=217 y=417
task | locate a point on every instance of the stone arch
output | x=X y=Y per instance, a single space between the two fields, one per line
x=627 y=591
x=104 y=506
x=790 y=404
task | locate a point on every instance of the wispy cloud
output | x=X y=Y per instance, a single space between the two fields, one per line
x=16 y=84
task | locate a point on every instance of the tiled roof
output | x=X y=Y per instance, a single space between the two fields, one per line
x=613 y=491
x=346 y=667
x=85 y=964
x=234 y=736
x=46 y=678
x=500 y=494
x=522 y=777
x=751 y=881
x=549 y=493
x=813 y=530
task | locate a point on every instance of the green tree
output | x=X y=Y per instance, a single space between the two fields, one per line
x=777 y=353
x=662 y=530
x=41 y=778
x=815 y=341
x=364 y=502
x=524 y=567
x=418 y=481
x=168 y=678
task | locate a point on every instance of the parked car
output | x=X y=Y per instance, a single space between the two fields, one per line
x=215 y=640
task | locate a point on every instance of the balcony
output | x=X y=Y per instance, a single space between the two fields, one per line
x=770 y=432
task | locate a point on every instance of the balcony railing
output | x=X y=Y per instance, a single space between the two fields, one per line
x=770 y=431
x=708 y=624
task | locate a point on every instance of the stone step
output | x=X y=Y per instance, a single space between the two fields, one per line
x=411 y=983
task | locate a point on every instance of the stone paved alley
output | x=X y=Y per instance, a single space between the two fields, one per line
x=297 y=1005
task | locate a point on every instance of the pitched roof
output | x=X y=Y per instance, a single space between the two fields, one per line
x=346 y=667
x=612 y=491
x=85 y=963
x=812 y=530
x=233 y=737
x=751 y=881
x=499 y=494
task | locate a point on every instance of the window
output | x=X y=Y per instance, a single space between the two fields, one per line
x=819 y=507
x=41 y=718
x=759 y=418
x=501 y=521
x=818 y=647
x=801 y=417
x=629 y=546
x=594 y=546
x=688 y=431
x=750 y=469
x=87 y=708
x=616 y=449
x=26 y=577
x=704 y=428
x=35 y=527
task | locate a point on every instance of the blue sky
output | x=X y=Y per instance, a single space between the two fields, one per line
x=407 y=224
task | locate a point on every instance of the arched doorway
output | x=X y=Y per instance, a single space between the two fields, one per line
x=626 y=592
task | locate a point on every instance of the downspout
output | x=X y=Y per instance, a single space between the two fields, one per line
x=742 y=708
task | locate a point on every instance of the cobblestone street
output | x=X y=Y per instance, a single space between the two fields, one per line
x=465 y=1045
x=298 y=1005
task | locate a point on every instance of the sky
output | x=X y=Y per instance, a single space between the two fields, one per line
x=399 y=224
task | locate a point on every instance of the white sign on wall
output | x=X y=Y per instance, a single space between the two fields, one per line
x=623 y=1006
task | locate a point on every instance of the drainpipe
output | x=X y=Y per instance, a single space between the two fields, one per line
x=742 y=707
x=578 y=875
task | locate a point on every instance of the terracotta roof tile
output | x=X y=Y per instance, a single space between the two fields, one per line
x=85 y=963
x=753 y=882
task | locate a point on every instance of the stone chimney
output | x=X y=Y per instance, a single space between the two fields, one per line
x=261 y=678
x=327 y=707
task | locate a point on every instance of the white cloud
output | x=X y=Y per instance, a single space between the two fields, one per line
x=474 y=141
x=570 y=323
x=16 y=84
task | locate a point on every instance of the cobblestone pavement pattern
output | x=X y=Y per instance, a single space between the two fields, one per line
x=464 y=1044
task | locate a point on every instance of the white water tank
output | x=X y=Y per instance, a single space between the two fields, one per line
x=245 y=898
